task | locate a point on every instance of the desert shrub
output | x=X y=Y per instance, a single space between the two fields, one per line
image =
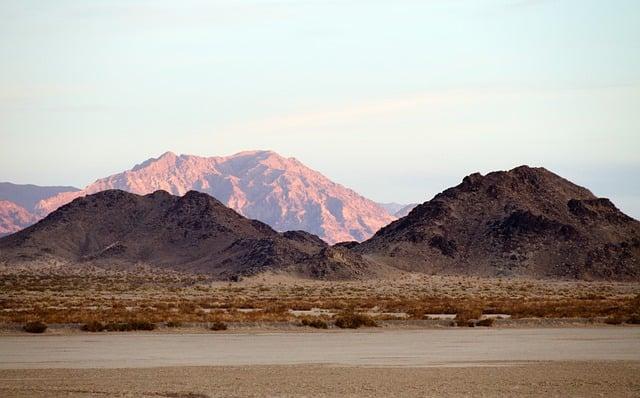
x=217 y=325
x=488 y=322
x=614 y=320
x=314 y=323
x=187 y=307
x=142 y=325
x=635 y=303
x=464 y=316
x=93 y=326
x=354 y=320
x=117 y=327
x=35 y=327
x=174 y=324
x=416 y=313
x=298 y=306
x=129 y=326
x=634 y=319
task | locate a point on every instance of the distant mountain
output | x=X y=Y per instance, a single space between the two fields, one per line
x=391 y=207
x=27 y=196
x=194 y=232
x=18 y=202
x=405 y=210
x=526 y=221
x=262 y=185
x=14 y=218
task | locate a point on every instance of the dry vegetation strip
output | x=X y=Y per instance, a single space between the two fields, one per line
x=142 y=296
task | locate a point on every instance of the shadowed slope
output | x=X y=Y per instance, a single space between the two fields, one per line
x=527 y=221
x=194 y=232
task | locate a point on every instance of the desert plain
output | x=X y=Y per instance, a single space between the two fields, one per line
x=423 y=335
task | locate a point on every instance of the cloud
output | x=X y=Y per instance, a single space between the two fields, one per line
x=422 y=102
x=353 y=111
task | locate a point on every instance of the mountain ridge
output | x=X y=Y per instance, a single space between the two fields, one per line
x=263 y=185
x=27 y=196
x=524 y=222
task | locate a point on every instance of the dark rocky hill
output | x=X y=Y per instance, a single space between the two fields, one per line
x=194 y=232
x=526 y=221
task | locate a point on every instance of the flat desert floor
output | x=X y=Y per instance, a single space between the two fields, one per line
x=595 y=361
x=547 y=338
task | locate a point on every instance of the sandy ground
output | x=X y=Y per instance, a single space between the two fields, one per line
x=545 y=379
x=453 y=362
x=371 y=347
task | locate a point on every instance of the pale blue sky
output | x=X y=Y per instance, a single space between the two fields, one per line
x=396 y=99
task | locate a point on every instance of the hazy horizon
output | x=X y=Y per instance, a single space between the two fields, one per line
x=396 y=100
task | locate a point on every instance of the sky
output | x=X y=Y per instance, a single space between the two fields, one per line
x=397 y=99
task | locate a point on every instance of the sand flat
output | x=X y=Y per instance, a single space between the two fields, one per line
x=534 y=379
x=373 y=347
x=584 y=362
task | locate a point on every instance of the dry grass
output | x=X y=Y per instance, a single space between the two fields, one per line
x=488 y=322
x=93 y=326
x=468 y=316
x=129 y=326
x=314 y=322
x=122 y=297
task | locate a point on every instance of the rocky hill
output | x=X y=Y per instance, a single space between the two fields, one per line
x=194 y=232
x=526 y=221
x=262 y=185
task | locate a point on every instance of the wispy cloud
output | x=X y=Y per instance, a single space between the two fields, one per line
x=423 y=102
x=352 y=111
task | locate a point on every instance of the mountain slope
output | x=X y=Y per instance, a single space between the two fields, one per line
x=391 y=207
x=18 y=202
x=261 y=185
x=14 y=218
x=27 y=196
x=194 y=232
x=526 y=221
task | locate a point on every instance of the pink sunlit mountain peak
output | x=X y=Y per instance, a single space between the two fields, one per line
x=260 y=184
